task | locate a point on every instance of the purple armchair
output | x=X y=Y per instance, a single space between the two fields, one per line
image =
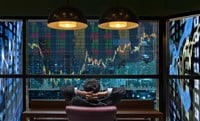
x=78 y=113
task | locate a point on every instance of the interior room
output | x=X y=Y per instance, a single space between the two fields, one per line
x=151 y=50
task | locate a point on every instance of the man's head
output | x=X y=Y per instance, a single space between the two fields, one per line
x=92 y=85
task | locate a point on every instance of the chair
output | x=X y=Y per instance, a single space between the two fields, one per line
x=79 y=113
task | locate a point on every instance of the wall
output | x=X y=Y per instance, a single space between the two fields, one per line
x=95 y=7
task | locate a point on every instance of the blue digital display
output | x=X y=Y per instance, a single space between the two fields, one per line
x=184 y=46
x=11 y=89
x=10 y=47
x=11 y=99
x=184 y=37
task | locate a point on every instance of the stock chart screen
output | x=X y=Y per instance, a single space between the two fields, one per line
x=93 y=50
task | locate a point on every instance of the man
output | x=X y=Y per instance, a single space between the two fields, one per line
x=91 y=95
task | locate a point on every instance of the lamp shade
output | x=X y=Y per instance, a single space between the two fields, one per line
x=67 y=18
x=118 y=18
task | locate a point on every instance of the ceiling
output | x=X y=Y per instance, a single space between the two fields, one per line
x=96 y=7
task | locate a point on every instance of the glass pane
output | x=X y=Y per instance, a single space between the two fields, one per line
x=184 y=45
x=92 y=51
x=49 y=88
x=11 y=99
x=183 y=98
x=11 y=46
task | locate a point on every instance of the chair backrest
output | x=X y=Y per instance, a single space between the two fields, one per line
x=79 y=113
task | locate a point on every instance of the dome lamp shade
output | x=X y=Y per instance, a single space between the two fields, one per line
x=67 y=18
x=118 y=18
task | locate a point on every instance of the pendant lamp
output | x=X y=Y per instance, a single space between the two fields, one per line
x=67 y=18
x=118 y=18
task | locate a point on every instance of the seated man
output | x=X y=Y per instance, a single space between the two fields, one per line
x=91 y=95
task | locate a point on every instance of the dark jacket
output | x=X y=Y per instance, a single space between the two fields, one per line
x=112 y=99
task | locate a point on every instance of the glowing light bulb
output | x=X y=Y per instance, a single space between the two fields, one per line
x=67 y=24
x=118 y=24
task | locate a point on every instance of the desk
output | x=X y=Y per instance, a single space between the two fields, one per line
x=140 y=114
x=32 y=114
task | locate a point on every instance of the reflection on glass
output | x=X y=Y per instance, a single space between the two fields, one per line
x=49 y=88
x=92 y=51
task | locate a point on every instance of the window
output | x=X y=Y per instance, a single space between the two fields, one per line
x=92 y=51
